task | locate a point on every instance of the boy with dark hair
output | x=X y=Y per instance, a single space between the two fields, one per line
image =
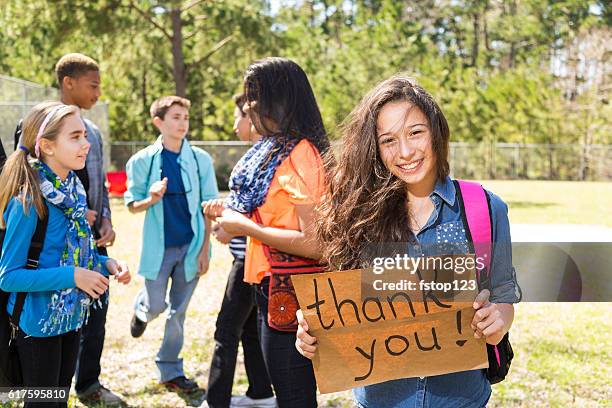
x=169 y=180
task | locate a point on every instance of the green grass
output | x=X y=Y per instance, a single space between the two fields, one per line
x=562 y=355
x=562 y=351
x=555 y=202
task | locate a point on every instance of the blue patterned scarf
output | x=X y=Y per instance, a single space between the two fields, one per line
x=251 y=177
x=70 y=198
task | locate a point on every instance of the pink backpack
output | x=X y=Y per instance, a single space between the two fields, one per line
x=476 y=217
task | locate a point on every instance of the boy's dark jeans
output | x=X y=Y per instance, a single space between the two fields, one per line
x=48 y=362
x=291 y=373
x=237 y=321
x=91 y=344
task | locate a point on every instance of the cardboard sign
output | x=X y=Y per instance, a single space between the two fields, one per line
x=372 y=339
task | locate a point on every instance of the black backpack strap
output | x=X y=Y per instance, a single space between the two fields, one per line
x=18 y=132
x=486 y=283
x=34 y=251
x=2 y=156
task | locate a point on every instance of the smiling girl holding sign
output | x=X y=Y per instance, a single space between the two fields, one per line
x=392 y=184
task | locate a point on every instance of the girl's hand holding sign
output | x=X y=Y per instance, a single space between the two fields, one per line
x=305 y=344
x=492 y=320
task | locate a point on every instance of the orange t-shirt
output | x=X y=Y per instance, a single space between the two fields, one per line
x=298 y=180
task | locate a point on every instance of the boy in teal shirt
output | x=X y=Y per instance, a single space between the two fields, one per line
x=169 y=180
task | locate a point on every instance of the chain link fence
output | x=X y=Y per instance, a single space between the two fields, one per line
x=17 y=97
x=467 y=160
x=511 y=161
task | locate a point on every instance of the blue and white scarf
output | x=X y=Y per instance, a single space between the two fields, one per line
x=251 y=177
x=70 y=198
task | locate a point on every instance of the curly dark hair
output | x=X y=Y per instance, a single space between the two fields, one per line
x=365 y=203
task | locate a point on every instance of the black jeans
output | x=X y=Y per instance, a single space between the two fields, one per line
x=48 y=362
x=92 y=342
x=91 y=346
x=237 y=321
x=291 y=373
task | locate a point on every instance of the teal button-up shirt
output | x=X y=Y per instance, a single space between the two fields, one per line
x=198 y=175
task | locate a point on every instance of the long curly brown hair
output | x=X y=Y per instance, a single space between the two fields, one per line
x=366 y=204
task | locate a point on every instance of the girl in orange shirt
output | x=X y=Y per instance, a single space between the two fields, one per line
x=273 y=191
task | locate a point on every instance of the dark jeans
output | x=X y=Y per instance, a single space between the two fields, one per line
x=48 y=362
x=237 y=321
x=292 y=374
x=91 y=344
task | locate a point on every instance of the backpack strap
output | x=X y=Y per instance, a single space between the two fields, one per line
x=476 y=216
x=195 y=158
x=36 y=246
x=18 y=132
x=2 y=156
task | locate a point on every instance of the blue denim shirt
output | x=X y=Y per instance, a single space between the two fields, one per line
x=466 y=388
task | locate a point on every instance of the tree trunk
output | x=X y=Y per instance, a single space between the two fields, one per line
x=178 y=59
x=487 y=39
x=512 y=56
x=551 y=164
x=143 y=97
x=458 y=38
x=476 y=34
x=585 y=158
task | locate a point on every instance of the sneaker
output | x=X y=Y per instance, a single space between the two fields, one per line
x=102 y=395
x=244 y=401
x=182 y=383
x=137 y=327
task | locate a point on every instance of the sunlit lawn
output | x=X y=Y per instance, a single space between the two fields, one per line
x=555 y=202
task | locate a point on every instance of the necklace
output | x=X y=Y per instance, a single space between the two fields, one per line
x=413 y=216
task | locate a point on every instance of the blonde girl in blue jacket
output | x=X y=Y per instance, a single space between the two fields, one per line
x=38 y=180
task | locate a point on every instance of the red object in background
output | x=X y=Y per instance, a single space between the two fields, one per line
x=116 y=182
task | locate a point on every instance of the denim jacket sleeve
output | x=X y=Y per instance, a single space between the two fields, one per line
x=504 y=287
